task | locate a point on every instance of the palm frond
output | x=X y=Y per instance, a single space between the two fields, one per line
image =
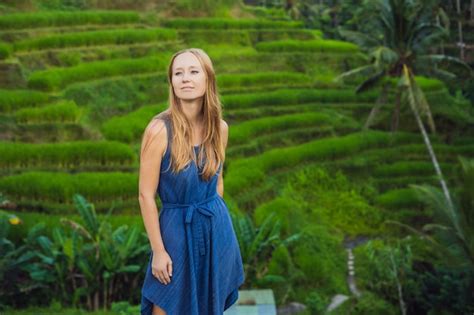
x=362 y=40
x=364 y=70
x=414 y=96
x=370 y=82
x=414 y=231
x=374 y=111
x=443 y=74
x=384 y=56
x=442 y=211
x=87 y=213
x=432 y=58
x=427 y=36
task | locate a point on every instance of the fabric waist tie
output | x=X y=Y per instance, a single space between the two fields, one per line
x=191 y=208
x=203 y=212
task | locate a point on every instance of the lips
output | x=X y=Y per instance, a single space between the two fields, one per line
x=187 y=88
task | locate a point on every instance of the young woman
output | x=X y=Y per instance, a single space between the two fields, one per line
x=195 y=265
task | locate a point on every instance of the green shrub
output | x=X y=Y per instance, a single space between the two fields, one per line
x=54 y=79
x=322 y=260
x=29 y=219
x=371 y=304
x=66 y=155
x=408 y=168
x=5 y=50
x=11 y=100
x=62 y=111
x=130 y=127
x=69 y=58
x=381 y=265
x=49 y=190
x=73 y=248
x=246 y=173
x=290 y=216
x=332 y=198
x=279 y=267
x=399 y=198
x=112 y=97
x=316 y=303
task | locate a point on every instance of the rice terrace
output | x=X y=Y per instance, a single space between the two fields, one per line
x=349 y=166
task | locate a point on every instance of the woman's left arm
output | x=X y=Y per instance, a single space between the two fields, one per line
x=225 y=137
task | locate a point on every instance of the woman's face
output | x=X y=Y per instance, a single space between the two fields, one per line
x=188 y=79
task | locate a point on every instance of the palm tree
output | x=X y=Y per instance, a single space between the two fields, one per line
x=398 y=36
x=453 y=230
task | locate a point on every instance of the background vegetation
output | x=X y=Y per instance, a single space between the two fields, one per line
x=349 y=169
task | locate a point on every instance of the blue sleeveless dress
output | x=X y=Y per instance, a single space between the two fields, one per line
x=197 y=233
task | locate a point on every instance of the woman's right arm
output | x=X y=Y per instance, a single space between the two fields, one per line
x=153 y=146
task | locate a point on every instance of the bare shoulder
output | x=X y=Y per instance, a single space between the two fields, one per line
x=224 y=126
x=225 y=132
x=156 y=126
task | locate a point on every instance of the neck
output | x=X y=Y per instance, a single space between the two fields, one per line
x=192 y=109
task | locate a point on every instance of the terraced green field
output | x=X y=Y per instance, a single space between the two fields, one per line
x=76 y=93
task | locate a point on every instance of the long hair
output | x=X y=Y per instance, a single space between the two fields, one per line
x=211 y=151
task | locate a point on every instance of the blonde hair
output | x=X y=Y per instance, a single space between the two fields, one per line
x=182 y=149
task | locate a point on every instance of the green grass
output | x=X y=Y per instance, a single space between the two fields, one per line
x=12 y=100
x=94 y=38
x=60 y=18
x=59 y=78
x=225 y=23
x=65 y=155
x=325 y=45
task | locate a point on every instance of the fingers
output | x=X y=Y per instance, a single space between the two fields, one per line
x=166 y=276
x=170 y=269
x=162 y=276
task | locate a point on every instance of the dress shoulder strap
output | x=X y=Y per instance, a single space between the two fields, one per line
x=169 y=128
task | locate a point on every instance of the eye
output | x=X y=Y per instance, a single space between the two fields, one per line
x=195 y=71
x=176 y=73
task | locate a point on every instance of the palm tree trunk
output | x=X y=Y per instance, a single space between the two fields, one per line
x=460 y=43
x=396 y=111
x=403 y=307
x=433 y=158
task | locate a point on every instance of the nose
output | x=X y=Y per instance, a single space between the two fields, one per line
x=185 y=76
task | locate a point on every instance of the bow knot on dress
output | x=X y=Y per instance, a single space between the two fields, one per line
x=196 y=229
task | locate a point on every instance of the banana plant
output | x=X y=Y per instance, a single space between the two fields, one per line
x=102 y=255
x=257 y=244
x=12 y=260
x=30 y=266
x=82 y=261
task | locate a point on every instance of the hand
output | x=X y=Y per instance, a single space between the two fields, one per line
x=162 y=266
